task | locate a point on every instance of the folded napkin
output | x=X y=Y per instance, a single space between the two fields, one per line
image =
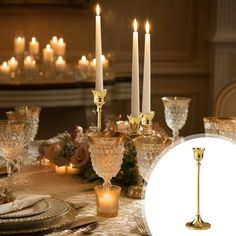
x=22 y=202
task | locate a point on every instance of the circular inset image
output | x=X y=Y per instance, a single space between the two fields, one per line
x=189 y=185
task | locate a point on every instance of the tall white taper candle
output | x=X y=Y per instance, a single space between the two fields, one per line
x=98 y=51
x=135 y=73
x=146 y=102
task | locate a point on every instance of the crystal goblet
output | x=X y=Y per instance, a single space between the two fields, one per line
x=148 y=149
x=30 y=114
x=227 y=127
x=106 y=155
x=211 y=125
x=11 y=143
x=176 y=113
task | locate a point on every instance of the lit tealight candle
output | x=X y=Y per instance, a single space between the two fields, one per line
x=5 y=69
x=29 y=63
x=48 y=53
x=107 y=200
x=19 y=45
x=60 y=64
x=13 y=64
x=83 y=61
x=61 y=170
x=33 y=47
x=61 y=47
x=71 y=169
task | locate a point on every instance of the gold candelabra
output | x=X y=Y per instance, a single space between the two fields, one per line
x=99 y=100
x=198 y=223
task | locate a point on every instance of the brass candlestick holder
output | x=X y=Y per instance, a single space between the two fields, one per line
x=135 y=191
x=99 y=100
x=198 y=223
x=147 y=122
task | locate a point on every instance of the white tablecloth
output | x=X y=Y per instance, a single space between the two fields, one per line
x=45 y=181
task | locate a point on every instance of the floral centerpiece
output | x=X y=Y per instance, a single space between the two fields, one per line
x=67 y=148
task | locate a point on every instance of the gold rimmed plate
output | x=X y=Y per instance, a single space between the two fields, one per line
x=60 y=222
x=38 y=208
x=58 y=207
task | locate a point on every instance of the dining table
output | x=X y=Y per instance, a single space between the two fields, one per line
x=36 y=179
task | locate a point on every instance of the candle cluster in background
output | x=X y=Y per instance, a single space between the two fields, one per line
x=30 y=63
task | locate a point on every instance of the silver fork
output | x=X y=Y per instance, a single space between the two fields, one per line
x=141 y=226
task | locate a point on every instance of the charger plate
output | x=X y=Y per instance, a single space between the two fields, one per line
x=37 y=208
x=57 y=208
x=60 y=222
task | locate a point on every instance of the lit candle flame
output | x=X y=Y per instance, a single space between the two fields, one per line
x=48 y=47
x=33 y=40
x=98 y=10
x=13 y=59
x=135 y=25
x=54 y=39
x=147 y=27
x=83 y=58
x=60 y=59
x=4 y=64
x=28 y=58
x=61 y=40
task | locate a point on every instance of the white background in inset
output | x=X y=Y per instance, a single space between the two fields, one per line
x=171 y=194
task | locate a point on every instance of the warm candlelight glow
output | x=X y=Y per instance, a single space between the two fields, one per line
x=4 y=64
x=19 y=39
x=61 y=41
x=54 y=39
x=60 y=59
x=48 y=47
x=135 y=25
x=33 y=40
x=98 y=10
x=13 y=63
x=147 y=27
x=83 y=58
x=107 y=200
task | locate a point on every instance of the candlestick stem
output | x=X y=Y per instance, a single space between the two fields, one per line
x=198 y=223
x=99 y=100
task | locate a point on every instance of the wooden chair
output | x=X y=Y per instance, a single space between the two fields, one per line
x=226 y=102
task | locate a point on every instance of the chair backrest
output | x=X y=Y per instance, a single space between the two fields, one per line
x=226 y=101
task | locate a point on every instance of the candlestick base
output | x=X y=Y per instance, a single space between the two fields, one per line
x=135 y=122
x=147 y=122
x=99 y=100
x=198 y=224
x=135 y=191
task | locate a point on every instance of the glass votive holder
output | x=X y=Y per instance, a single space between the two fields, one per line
x=107 y=200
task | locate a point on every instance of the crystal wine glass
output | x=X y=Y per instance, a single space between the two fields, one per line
x=30 y=114
x=176 y=113
x=148 y=149
x=106 y=156
x=227 y=127
x=11 y=143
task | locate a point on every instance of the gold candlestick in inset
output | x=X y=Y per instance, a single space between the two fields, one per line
x=198 y=223
x=99 y=100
